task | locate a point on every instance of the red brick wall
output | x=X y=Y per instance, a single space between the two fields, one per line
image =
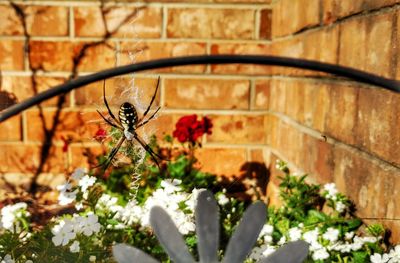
x=260 y=113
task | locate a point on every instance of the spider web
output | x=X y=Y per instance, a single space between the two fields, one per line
x=133 y=94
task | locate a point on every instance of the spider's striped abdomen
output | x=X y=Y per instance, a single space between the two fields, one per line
x=128 y=116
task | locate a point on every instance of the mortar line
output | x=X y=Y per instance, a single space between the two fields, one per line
x=257 y=21
x=135 y=4
x=71 y=23
x=164 y=23
x=252 y=93
x=144 y=40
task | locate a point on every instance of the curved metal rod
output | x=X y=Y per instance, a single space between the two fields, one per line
x=351 y=73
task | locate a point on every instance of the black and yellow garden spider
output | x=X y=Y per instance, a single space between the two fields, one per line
x=128 y=123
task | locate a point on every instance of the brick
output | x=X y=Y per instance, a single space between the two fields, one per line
x=316 y=158
x=262 y=95
x=77 y=126
x=349 y=55
x=121 y=21
x=10 y=24
x=211 y=23
x=59 y=56
x=98 y=57
x=7 y=98
x=23 y=88
x=156 y=50
x=237 y=129
x=316 y=105
x=240 y=49
x=206 y=94
x=377 y=123
x=51 y=56
x=292 y=16
x=335 y=9
x=379 y=45
x=320 y=45
x=373 y=52
x=137 y=91
x=362 y=178
x=312 y=154
x=244 y=1
x=162 y=125
x=265 y=24
x=11 y=54
x=86 y=156
x=11 y=129
x=341 y=121
x=304 y=101
x=222 y=162
x=47 y=20
x=278 y=90
x=21 y=158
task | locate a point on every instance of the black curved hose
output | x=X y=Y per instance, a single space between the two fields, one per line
x=354 y=74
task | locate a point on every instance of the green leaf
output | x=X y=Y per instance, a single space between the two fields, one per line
x=360 y=256
x=283 y=225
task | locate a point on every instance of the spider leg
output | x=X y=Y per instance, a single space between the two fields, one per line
x=148 y=149
x=152 y=99
x=151 y=117
x=106 y=103
x=112 y=154
x=108 y=121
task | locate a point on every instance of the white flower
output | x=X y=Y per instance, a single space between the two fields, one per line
x=340 y=207
x=267 y=250
x=222 y=199
x=79 y=206
x=267 y=230
x=65 y=198
x=7 y=259
x=86 y=182
x=394 y=254
x=107 y=203
x=294 y=233
x=29 y=261
x=331 y=234
x=92 y=258
x=320 y=254
x=349 y=235
x=78 y=174
x=91 y=225
x=282 y=241
x=171 y=186
x=64 y=187
x=10 y=214
x=63 y=233
x=311 y=236
x=377 y=258
x=331 y=189
x=74 y=248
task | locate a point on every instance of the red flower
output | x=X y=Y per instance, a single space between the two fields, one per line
x=189 y=129
x=100 y=135
x=66 y=143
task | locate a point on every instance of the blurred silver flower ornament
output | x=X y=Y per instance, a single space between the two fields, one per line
x=207 y=229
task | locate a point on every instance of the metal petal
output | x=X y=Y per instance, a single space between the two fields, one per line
x=294 y=252
x=169 y=236
x=246 y=233
x=127 y=254
x=207 y=227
